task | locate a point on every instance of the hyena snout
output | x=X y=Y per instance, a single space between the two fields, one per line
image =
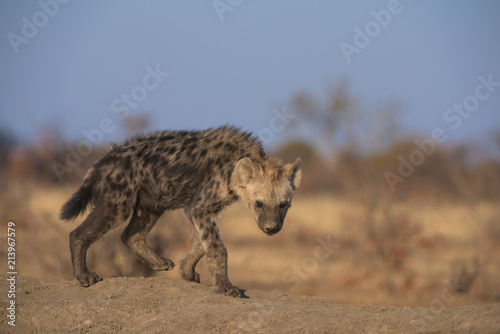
x=271 y=228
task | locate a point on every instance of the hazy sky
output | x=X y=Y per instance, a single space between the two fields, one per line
x=71 y=66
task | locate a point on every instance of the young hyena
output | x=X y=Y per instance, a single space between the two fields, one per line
x=201 y=172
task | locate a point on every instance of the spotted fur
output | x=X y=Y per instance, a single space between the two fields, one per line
x=201 y=172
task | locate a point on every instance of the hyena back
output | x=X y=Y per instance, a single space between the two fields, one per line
x=201 y=172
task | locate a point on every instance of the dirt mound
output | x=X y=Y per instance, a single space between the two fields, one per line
x=160 y=305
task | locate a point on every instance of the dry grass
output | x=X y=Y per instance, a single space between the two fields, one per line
x=405 y=253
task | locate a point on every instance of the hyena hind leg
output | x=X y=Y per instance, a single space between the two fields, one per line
x=188 y=264
x=134 y=237
x=97 y=223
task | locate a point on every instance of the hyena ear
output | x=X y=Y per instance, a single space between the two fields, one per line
x=245 y=171
x=295 y=174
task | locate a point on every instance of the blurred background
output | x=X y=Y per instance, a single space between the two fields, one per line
x=393 y=107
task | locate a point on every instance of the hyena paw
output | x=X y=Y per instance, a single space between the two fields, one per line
x=88 y=279
x=229 y=290
x=165 y=265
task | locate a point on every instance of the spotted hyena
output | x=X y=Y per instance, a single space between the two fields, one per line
x=201 y=172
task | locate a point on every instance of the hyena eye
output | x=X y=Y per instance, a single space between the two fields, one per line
x=258 y=204
x=283 y=205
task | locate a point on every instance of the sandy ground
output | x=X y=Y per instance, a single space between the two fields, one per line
x=163 y=305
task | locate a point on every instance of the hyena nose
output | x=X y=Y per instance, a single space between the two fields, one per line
x=272 y=229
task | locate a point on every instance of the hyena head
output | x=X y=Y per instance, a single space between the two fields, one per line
x=268 y=190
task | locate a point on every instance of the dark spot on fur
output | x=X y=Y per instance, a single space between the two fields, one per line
x=230 y=147
x=139 y=154
x=155 y=159
x=188 y=141
x=218 y=163
x=165 y=138
x=279 y=174
x=172 y=150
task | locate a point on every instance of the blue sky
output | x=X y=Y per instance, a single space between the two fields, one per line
x=87 y=54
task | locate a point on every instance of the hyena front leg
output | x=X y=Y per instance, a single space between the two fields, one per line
x=134 y=236
x=211 y=241
x=194 y=255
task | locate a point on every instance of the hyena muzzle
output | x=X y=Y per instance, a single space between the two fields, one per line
x=200 y=172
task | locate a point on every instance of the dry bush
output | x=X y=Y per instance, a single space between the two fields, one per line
x=36 y=162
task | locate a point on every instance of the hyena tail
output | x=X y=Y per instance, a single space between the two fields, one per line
x=80 y=200
x=77 y=204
